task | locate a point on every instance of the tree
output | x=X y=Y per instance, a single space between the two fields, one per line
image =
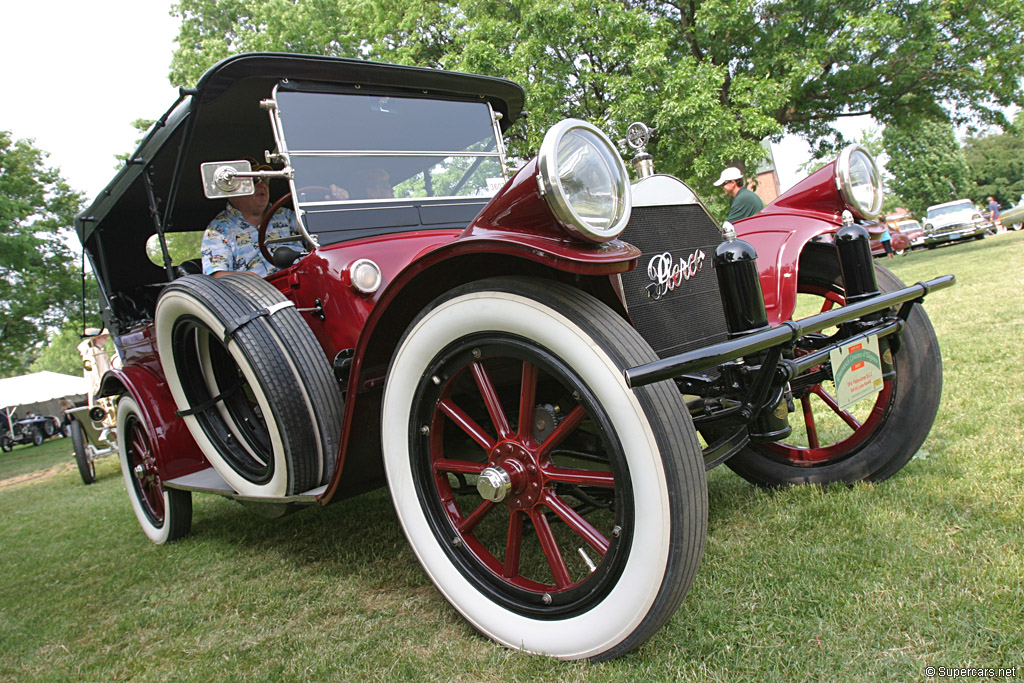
x=38 y=278
x=141 y=125
x=714 y=77
x=61 y=351
x=996 y=163
x=926 y=164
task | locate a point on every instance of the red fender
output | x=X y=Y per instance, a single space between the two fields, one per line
x=176 y=452
x=350 y=320
x=779 y=240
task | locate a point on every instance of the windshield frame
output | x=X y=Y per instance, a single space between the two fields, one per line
x=495 y=150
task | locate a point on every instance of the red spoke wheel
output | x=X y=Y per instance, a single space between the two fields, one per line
x=164 y=514
x=557 y=510
x=870 y=440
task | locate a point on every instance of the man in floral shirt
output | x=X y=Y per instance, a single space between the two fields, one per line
x=230 y=241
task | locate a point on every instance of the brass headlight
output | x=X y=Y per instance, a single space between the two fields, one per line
x=859 y=181
x=584 y=180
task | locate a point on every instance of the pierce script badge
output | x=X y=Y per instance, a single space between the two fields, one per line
x=857 y=370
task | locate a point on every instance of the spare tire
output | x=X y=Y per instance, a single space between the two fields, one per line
x=310 y=363
x=237 y=378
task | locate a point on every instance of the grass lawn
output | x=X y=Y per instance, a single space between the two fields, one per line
x=872 y=583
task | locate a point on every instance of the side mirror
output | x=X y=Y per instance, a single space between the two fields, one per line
x=223 y=179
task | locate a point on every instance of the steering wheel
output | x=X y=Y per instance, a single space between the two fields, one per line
x=323 y=192
x=261 y=238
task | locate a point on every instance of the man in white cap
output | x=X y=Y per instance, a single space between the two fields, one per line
x=744 y=202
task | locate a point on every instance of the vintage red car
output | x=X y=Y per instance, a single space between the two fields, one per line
x=899 y=242
x=524 y=359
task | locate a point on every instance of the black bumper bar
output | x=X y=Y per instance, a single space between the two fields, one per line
x=786 y=333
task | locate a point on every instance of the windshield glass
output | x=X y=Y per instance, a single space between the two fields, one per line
x=948 y=209
x=366 y=148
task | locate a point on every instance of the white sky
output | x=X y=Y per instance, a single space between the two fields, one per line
x=78 y=73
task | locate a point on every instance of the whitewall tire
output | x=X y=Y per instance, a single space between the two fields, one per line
x=512 y=388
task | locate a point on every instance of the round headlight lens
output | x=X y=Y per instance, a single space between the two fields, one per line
x=859 y=181
x=365 y=276
x=584 y=180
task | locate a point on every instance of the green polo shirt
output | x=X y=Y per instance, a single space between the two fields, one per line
x=744 y=205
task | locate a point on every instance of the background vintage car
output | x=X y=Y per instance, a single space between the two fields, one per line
x=911 y=229
x=953 y=221
x=900 y=243
x=1012 y=217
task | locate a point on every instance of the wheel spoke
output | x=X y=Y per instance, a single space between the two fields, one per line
x=809 y=425
x=467 y=525
x=849 y=419
x=490 y=396
x=463 y=466
x=571 y=422
x=139 y=446
x=466 y=423
x=527 y=402
x=574 y=521
x=603 y=480
x=831 y=301
x=513 y=543
x=549 y=545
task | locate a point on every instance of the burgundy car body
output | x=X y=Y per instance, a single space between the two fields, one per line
x=685 y=284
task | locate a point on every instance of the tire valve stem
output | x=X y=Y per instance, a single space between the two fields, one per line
x=457 y=542
x=590 y=563
x=425 y=430
x=546 y=599
x=616 y=531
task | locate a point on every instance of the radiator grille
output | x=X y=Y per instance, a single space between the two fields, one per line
x=689 y=315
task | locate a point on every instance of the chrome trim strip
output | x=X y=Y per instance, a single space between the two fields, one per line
x=313 y=153
x=282 y=156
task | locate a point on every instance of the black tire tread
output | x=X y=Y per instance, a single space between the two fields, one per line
x=86 y=467
x=273 y=370
x=313 y=371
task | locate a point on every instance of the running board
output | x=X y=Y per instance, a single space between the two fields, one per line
x=208 y=481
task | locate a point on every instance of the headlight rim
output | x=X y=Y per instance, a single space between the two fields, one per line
x=550 y=185
x=846 y=184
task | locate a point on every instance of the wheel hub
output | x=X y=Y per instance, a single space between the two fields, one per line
x=514 y=476
x=494 y=484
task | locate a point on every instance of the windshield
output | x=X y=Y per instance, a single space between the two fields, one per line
x=367 y=148
x=947 y=209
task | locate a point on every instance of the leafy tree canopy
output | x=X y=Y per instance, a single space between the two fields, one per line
x=38 y=277
x=61 y=351
x=996 y=164
x=714 y=76
x=926 y=163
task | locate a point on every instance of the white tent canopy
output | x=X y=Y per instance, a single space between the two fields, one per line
x=39 y=387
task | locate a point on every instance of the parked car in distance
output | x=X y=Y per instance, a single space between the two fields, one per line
x=1012 y=218
x=33 y=429
x=910 y=229
x=952 y=222
x=900 y=244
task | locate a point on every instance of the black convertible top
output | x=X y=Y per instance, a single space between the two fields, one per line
x=219 y=120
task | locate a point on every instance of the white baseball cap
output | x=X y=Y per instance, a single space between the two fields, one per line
x=731 y=173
